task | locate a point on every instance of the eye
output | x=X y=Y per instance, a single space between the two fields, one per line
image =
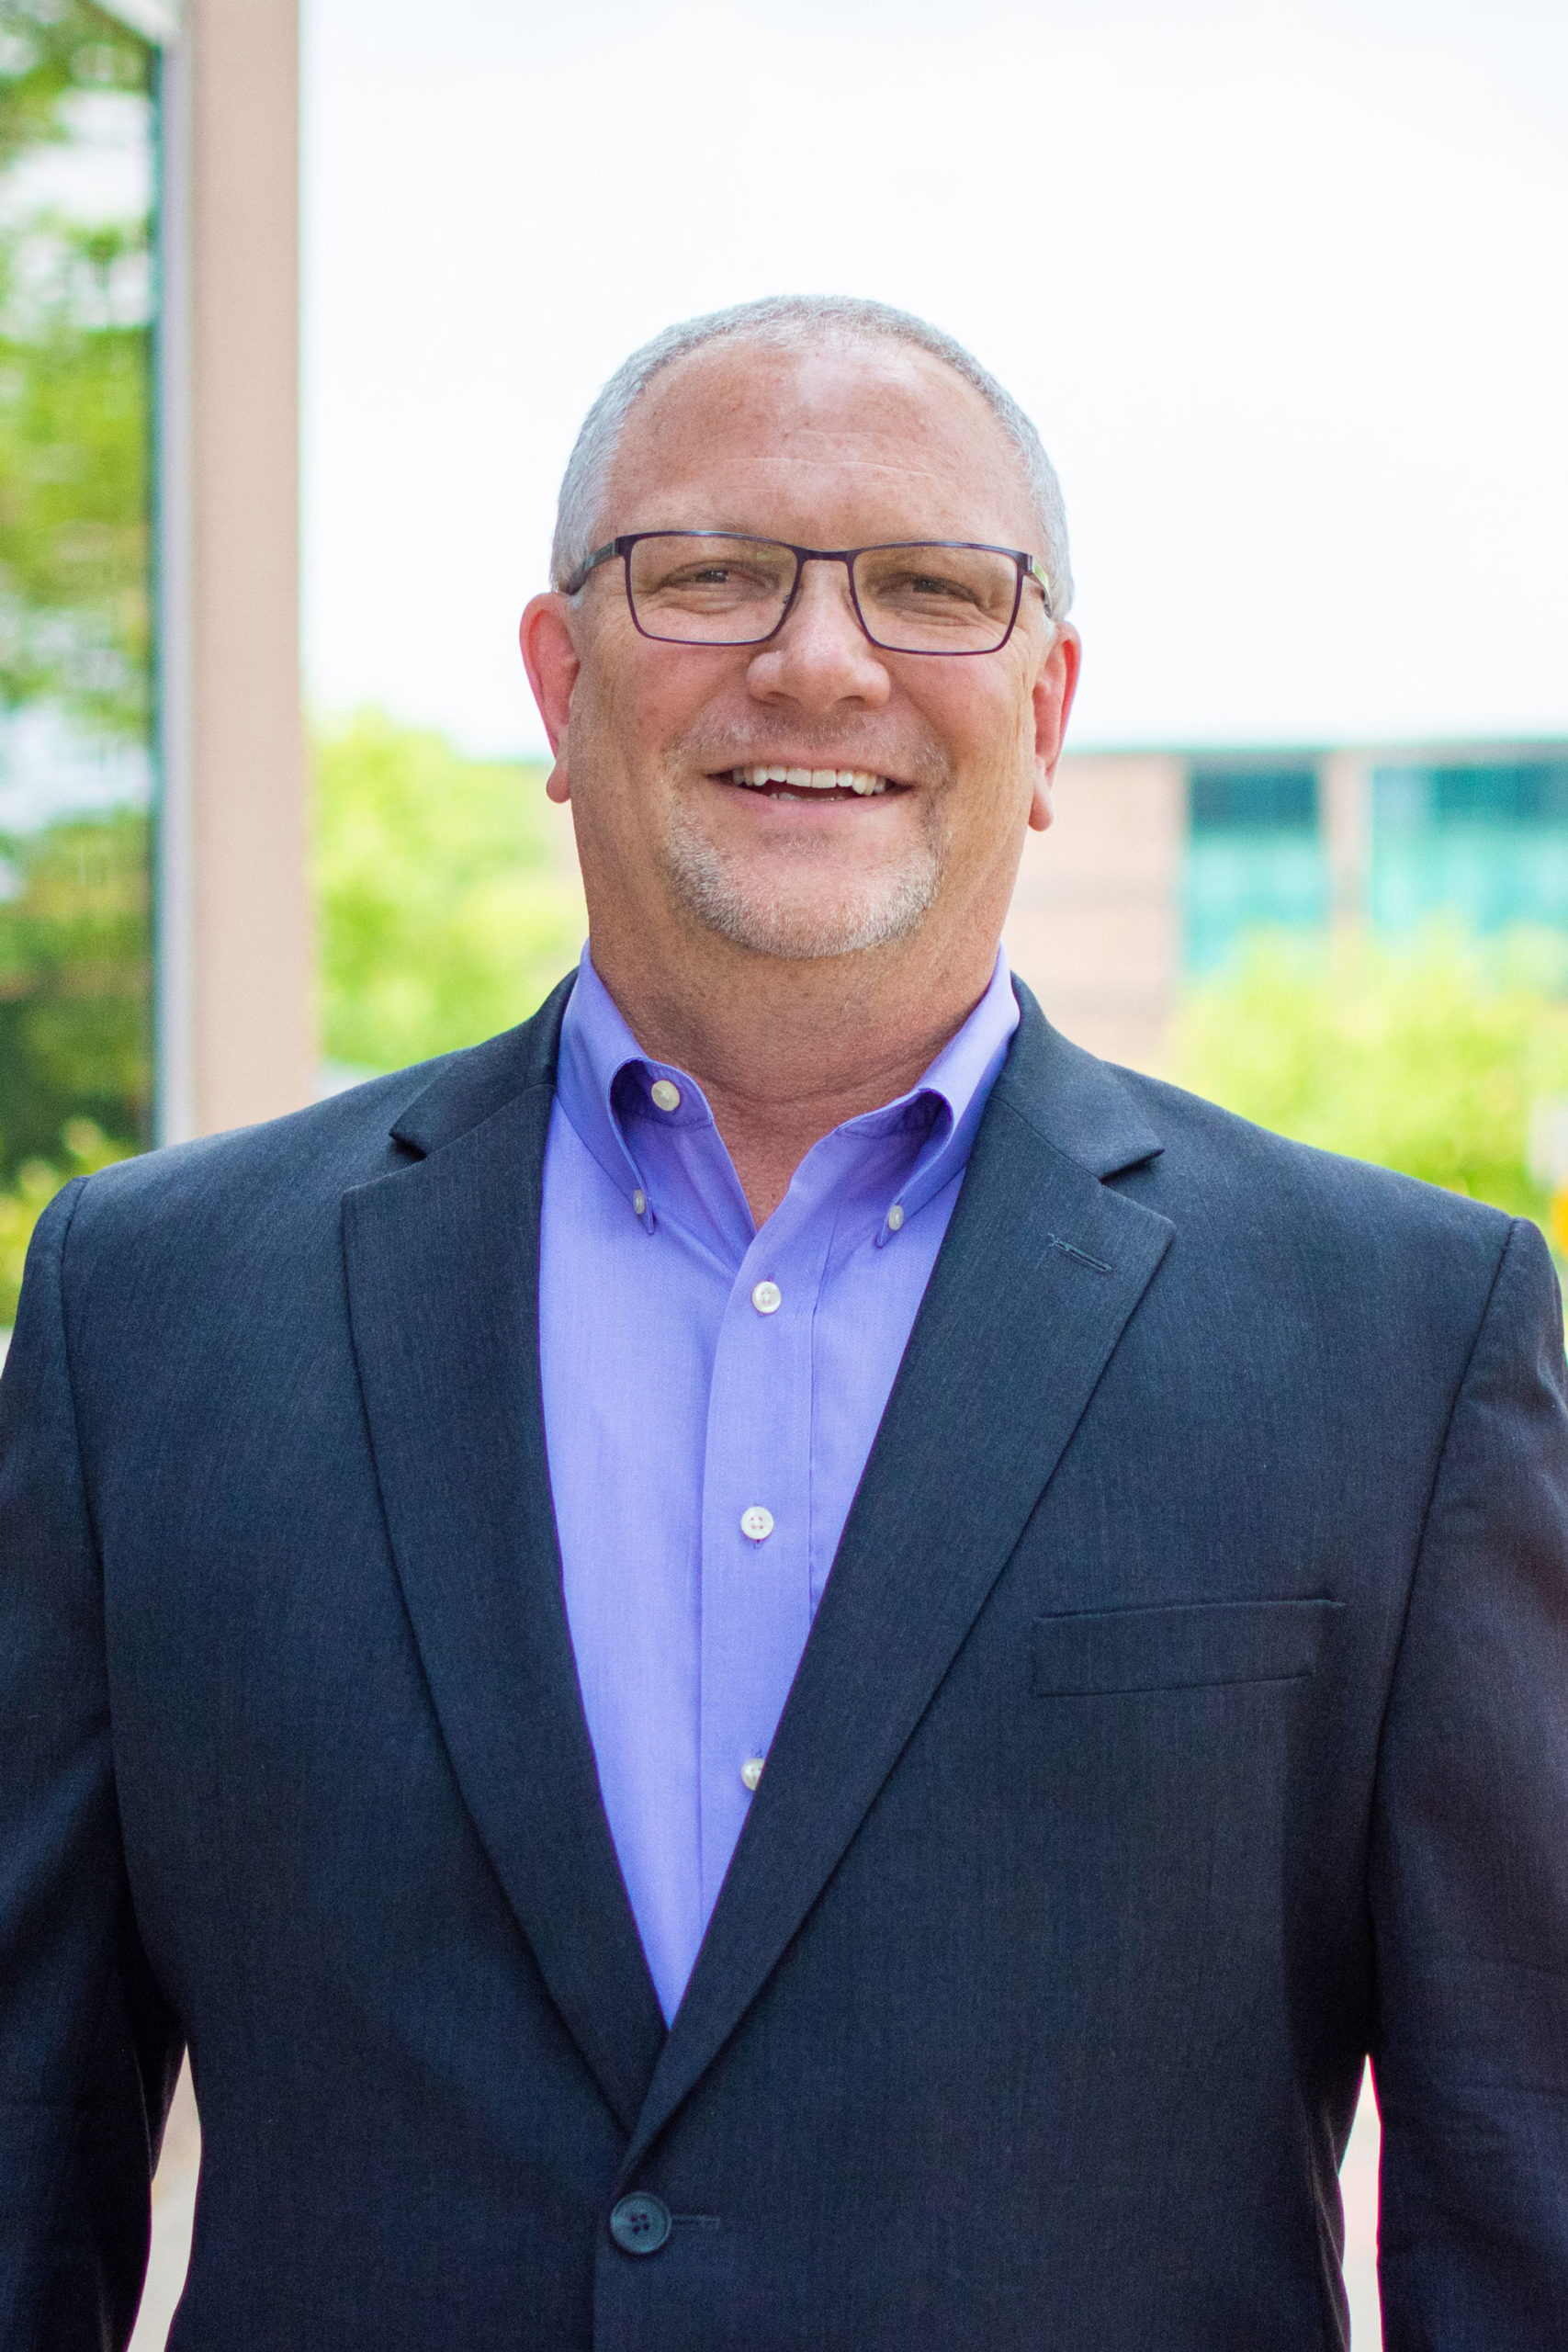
x=707 y=576
x=923 y=587
x=927 y=584
x=733 y=578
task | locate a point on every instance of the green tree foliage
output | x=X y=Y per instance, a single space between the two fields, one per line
x=82 y=1147
x=444 y=911
x=74 y=1054
x=1430 y=1055
x=75 y=394
x=74 y=623
x=48 y=48
x=75 y=984
x=75 y=416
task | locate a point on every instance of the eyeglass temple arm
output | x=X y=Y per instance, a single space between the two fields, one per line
x=611 y=548
x=1041 y=582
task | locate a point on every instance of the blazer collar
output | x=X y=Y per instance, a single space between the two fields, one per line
x=1075 y=1102
x=470 y=1087
x=441 y=1259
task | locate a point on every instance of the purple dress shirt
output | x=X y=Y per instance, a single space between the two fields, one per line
x=711 y=1395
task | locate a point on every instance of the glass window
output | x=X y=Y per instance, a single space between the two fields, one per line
x=77 y=177
x=1484 y=840
x=1255 y=854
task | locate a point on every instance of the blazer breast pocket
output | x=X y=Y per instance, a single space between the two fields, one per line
x=1162 y=1741
x=1192 y=1645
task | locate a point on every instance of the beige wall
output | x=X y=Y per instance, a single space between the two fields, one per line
x=236 y=1026
x=1345 y=794
x=1094 y=923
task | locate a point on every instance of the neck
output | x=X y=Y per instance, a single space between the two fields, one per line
x=787 y=1049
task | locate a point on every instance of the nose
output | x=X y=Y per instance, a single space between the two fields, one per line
x=821 y=658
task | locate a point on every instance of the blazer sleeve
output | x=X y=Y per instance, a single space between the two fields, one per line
x=1470 y=1862
x=88 y=2047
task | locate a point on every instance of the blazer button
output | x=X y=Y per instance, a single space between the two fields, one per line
x=640 y=2224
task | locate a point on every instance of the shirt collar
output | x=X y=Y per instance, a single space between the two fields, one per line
x=959 y=1082
x=597 y=1046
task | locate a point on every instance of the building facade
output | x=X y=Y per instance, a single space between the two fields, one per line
x=1160 y=864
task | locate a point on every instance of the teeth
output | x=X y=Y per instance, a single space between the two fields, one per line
x=857 y=780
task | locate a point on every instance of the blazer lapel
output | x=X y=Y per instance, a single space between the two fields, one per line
x=442 y=1273
x=1040 y=1270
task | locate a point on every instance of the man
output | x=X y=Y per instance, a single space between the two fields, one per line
x=775 y=1664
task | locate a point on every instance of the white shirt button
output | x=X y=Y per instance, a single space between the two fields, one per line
x=665 y=1093
x=767 y=1298
x=757 y=1522
x=751 y=1771
x=639 y=1202
x=895 y=1217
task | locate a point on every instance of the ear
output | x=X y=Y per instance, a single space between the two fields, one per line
x=552 y=661
x=1053 y=691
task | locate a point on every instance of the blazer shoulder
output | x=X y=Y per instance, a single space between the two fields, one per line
x=1202 y=1132
x=1203 y=1167
x=1258 y=1193
x=288 y=1170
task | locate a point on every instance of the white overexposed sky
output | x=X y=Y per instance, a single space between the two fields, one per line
x=1284 y=287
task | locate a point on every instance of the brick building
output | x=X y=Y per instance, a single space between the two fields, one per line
x=1158 y=862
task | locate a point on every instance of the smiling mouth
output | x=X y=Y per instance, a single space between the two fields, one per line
x=812 y=784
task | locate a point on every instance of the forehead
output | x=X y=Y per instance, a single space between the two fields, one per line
x=839 y=445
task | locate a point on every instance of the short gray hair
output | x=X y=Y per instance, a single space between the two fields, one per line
x=793 y=320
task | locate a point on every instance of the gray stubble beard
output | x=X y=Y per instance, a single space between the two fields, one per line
x=886 y=906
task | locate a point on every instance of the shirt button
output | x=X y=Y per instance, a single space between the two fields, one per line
x=767 y=1298
x=639 y=1202
x=757 y=1522
x=665 y=1093
x=751 y=1771
x=895 y=1217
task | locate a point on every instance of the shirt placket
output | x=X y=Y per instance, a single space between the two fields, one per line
x=756 y=1533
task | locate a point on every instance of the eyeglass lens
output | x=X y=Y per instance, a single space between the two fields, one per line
x=699 y=590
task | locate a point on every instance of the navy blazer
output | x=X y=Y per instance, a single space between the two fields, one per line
x=1185 y=1717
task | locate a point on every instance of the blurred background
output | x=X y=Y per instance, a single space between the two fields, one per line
x=300 y=312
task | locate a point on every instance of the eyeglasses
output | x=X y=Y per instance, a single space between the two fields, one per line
x=916 y=597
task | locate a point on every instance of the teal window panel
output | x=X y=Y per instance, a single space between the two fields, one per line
x=1254 y=856
x=1226 y=797
x=1237 y=882
x=1486 y=843
x=1487 y=875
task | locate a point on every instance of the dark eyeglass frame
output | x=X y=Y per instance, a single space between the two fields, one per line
x=1028 y=569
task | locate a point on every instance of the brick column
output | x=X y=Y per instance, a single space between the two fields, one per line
x=1345 y=803
x=236 y=1031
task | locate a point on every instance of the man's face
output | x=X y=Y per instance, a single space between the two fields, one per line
x=849 y=446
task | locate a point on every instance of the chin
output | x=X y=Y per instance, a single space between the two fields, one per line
x=805 y=905
x=799 y=915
